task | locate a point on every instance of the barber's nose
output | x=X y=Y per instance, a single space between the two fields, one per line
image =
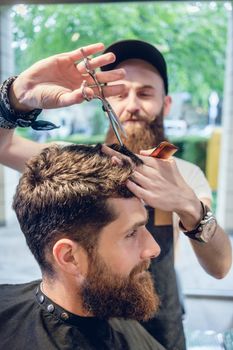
x=151 y=248
x=133 y=103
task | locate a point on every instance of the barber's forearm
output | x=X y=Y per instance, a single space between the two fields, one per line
x=5 y=139
x=15 y=151
x=215 y=256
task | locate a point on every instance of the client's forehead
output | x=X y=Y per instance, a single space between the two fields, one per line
x=129 y=212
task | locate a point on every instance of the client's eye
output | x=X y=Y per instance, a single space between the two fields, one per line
x=131 y=234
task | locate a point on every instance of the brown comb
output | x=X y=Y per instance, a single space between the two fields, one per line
x=164 y=150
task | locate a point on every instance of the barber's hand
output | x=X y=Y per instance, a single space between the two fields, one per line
x=159 y=183
x=55 y=81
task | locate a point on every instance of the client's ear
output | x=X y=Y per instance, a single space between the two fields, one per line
x=70 y=257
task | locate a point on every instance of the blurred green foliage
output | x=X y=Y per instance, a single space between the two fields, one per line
x=192 y=36
x=192 y=148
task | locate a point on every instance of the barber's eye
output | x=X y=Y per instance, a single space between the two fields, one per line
x=146 y=93
x=131 y=234
x=119 y=97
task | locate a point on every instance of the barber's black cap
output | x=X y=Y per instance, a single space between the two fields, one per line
x=128 y=49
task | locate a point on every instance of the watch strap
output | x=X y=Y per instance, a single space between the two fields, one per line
x=196 y=233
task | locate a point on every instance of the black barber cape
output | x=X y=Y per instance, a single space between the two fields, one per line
x=31 y=321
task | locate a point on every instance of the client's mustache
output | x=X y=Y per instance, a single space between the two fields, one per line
x=144 y=265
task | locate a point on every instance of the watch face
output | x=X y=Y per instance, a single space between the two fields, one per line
x=208 y=230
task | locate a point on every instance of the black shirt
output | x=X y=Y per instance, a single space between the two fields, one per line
x=31 y=321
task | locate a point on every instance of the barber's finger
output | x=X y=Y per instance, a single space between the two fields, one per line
x=113 y=90
x=110 y=76
x=96 y=62
x=138 y=191
x=116 y=160
x=76 y=96
x=146 y=152
x=85 y=50
x=154 y=162
x=142 y=179
x=149 y=161
x=112 y=153
x=109 y=151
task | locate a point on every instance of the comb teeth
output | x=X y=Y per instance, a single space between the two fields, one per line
x=164 y=150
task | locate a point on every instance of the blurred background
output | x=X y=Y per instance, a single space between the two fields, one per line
x=196 y=40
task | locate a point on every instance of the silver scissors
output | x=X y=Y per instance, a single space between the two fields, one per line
x=107 y=108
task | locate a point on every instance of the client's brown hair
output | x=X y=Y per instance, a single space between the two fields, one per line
x=63 y=192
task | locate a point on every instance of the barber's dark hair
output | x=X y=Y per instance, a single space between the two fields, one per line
x=63 y=192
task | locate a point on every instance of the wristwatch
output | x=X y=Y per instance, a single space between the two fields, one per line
x=205 y=230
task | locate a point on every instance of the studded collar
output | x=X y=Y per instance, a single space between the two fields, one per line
x=69 y=318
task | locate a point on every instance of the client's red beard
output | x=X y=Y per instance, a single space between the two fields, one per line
x=140 y=137
x=106 y=294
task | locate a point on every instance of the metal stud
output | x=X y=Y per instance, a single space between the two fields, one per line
x=41 y=298
x=50 y=308
x=64 y=316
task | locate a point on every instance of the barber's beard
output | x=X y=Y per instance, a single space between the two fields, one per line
x=106 y=294
x=140 y=136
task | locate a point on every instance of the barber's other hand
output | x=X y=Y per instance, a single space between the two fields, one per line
x=55 y=81
x=159 y=183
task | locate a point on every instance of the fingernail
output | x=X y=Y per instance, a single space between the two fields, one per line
x=116 y=160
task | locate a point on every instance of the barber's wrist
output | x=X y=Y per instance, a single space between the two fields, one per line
x=9 y=118
x=206 y=228
x=15 y=101
x=191 y=215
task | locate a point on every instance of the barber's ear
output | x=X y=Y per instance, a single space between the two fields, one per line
x=70 y=257
x=167 y=105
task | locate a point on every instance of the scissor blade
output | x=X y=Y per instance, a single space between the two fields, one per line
x=116 y=119
x=115 y=129
x=118 y=123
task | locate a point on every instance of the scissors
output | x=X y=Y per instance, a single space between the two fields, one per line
x=107 y=108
